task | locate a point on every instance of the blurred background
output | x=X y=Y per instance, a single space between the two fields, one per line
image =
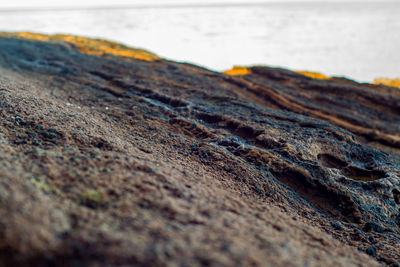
x=359 y=40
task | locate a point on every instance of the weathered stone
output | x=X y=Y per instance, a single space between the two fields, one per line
x=115 y=158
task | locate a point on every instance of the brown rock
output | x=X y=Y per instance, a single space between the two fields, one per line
x=108 y=158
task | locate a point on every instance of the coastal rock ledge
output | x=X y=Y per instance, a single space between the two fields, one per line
x=113 y=156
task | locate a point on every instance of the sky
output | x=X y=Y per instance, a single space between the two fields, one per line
x=82 y=3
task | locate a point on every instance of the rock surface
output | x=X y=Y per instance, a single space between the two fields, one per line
x=110 y=158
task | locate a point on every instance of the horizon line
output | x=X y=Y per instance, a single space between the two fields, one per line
x=195 y=5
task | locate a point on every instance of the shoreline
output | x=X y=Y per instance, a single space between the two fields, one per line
x=392 y=82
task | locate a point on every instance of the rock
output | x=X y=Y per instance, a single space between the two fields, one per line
x=372 y=251
x=111 y=155
x=372 y=239
x=371 y=226
x=337 y=226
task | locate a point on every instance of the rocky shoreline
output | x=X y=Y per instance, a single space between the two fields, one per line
x=113 y=156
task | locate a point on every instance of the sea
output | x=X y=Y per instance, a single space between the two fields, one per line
x=358 y=40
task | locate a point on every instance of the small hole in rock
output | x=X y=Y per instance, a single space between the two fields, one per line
x=356 y=173
x=331 y=161
x=396 y=196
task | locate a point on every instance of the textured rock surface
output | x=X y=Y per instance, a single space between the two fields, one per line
x=113 y=159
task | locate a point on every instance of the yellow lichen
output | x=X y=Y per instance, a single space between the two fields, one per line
x=238 y=70
x=93 y=198
x=27 y=35
x=89 y=46
x=41 y=184
x=314 y=75
x=388 y=82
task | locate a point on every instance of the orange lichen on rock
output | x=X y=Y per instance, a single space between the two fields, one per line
x=27 y=35
x=389 y=82
x=89 y=46
x=101 y=47
x=238 y=70
x=314 y=75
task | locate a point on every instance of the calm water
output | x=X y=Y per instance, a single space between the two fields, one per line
x=361 y=41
